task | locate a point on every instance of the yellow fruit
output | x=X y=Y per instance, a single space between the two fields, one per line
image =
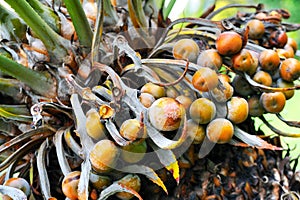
x=70 y=185
x=186 y=49
x=220 y=130
x=237 y=110
x=202 y=110
x=205 y=79
x=94 y=128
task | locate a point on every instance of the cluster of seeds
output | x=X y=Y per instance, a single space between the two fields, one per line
x=159 y=116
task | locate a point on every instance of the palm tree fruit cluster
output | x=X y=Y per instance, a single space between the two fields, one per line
x=110 y=100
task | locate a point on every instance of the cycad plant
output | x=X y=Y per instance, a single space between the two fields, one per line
x=113 y=100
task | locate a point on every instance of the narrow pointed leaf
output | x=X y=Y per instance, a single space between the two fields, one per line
x=80 y=22
x=253 y=140
x=148 y=172
x=41 y=167
x=12 y=88
x=14 y=193
x=47 y=14
x=39 y=82
x=60 y=152
x=115 y=188
x=83 y=185
x=86 y=141
x=168 y=159
x=16 y=112
x=57 y=46
x=11 y=26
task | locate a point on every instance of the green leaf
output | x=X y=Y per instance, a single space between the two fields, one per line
x=11 y=87
x=11 y=26
x=57 y=46
x=42 y=83
x=47 y=14
x=148 y=172
x=168 y=9
x=15 y=112
x=80 y=22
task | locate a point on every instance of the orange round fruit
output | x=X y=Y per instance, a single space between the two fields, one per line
x=269 y=60
x=244 y=61
x=237 y=110
x=229 y=43
x=273 y=102
x=219 y=130
x=210 y=58
x=256 y=29
x=205 y=79
x=202 y=110
x=186 y=49
x=290 y=69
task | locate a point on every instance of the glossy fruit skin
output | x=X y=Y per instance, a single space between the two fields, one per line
x=146 y=99
x=132 y=129
x=155 y=90
x=196 y=131
x=237 y=110
x=134 y=152
x=263 y=78
x=243 y=61
x=104 y=155
x=220 y=130
x=222 y=93
x=166 y=114
x=283 y=84
x=94 y=128
x=19 y=183
x=186 y=49
x=202 y=110
x=278 y=38
x=269 y=60
x=205 y=79
x=289 y=69
x=129 y=181
x=256 y=29
x=229 y=43
x=210 y=58
x=273 y=102
x=70 y=185
x=254 y=106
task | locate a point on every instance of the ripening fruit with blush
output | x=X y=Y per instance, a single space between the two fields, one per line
x=186 y=49
x=19 y=183
x=132 y=129
x=283 y=84
x=205 y=79
x=94 y=128
x=202 y=110
x=254 y=106
x=278 y=38
x=263 y=78
x=155 y=90
x=146 y=99
x=243 y=61
x=70 y=185
x=290 y=69
x=210 y=58
x=166 y=114
x=129 y=181
x=273 y=102
x=269 y=60
x=222 y=93
x=237 y=110
x=229 y=43
x=104 y=155
x=195 y=131
x=219 y=131
x=256 y=29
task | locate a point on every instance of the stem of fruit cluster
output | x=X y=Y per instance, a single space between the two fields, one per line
x=57 y=46
x=37 y=81
x=80 y=22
